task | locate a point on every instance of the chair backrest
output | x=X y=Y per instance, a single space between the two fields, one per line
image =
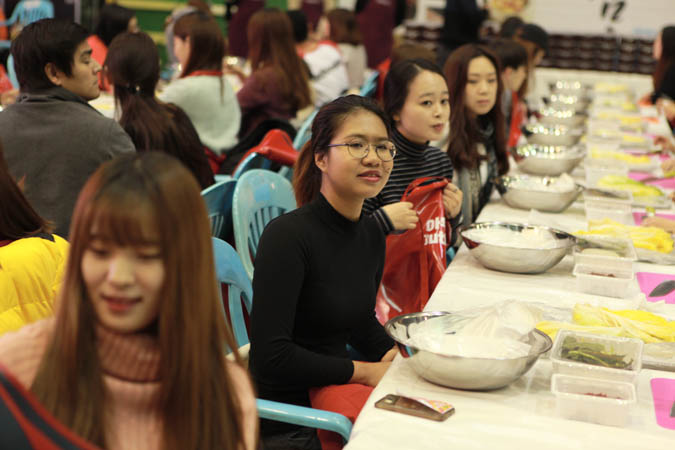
x=11 y=72
x=370 y=85
x=259 y=197
x=305 y=131
x=252 y=161
x=230 y=271
x=275 y=147
x=29 y=11
x=218 y=199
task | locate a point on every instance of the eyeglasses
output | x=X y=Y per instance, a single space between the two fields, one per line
x=359 y=149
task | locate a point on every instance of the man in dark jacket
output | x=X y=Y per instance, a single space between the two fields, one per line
x=53 y=139
x=463 y=19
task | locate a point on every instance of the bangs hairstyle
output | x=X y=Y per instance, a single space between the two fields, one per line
x=18 y=219
x=667 y=56
x=344 y=29
x=510 y=53
x=45 y=41
x=306 y=175
x=464 y=127
x=271 y=45
x=141 y=198
x=207 y=44
x=398 y=81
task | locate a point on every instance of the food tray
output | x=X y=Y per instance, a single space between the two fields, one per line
x=600 y=209
x=573 y=401
x=601 y=280
x=623 y=247
x=631 y=348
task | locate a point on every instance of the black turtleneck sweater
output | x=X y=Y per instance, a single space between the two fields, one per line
x=314 y=286
x=412 y=161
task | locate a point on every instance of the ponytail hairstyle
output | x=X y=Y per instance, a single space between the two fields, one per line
x=18 y=219
x=132 y=67
x=464 y=126
x=667 y=59
x=306 y=175
x=132 y=200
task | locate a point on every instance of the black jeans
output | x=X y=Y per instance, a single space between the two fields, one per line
x=301 y=439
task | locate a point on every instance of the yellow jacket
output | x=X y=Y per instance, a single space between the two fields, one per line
x=31 y=270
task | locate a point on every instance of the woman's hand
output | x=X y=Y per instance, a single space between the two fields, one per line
x=369 y=373
x=665 y=143
x=660 y=222
x=667 y=106
x=401 y=215
x=452 y=200
x=389 y=356
x=668 y=165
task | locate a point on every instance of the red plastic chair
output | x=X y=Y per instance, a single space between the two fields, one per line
x=276 y=146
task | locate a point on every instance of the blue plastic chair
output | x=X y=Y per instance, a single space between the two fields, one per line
x=305 y=131
x=252 y=161
x=29 y=11
x=25 y=12
x=370 y=85
x=11 y=73
x=230 y=271
x=218 y=199
x=259 y=196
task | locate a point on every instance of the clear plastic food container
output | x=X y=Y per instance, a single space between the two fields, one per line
x=596 y=169
x=630 y=349
x=601 y=280
x=592 y=400
x=606 y=251
x=601 y=209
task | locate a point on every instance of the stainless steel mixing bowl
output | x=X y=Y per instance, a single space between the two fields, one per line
x=548 y=159
x=529 y=192
x=457 y=371
x=561 y=116
x=506 y=258
x=537 y=133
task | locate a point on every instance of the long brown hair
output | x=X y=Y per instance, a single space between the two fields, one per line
x=306 y=175
x=132 y=67
x=531 y=48
x=18 y=219
x=207 y=44
x=198 y=405
x=271 y=45
x=464 y=127
x=667 y=59
x=343 y=27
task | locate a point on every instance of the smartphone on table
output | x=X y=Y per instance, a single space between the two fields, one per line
x=419 y=407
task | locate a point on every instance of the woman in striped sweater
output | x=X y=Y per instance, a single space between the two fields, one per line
x=416 y=101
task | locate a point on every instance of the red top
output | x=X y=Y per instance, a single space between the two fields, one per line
x=99 y=51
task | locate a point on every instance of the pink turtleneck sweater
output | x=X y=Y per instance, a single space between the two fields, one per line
x=131 y=373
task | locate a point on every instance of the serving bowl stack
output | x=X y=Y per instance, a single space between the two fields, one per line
x=551 y=160
x=515 y=247
x=459 y=372
x=546 y=194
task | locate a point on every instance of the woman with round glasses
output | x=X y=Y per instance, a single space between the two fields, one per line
x=317 y=271
x=416 y=101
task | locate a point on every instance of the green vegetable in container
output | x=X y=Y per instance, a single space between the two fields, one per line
x=592 y=353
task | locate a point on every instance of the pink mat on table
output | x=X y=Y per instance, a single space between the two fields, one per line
x=663 y=393
x=638 y=217
x=668 y=183
x=648 y=281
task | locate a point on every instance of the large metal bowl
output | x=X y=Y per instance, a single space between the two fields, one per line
x=571 y=88
x=512 y=259
x=563 y=101
x=548 y=159
x=457 y=371
x=523 y=192
x=537 y=133
x=563 y=116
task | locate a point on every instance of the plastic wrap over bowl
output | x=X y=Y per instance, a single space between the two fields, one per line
x=457 y=371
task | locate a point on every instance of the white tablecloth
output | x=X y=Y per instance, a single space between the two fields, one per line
x=522 y=415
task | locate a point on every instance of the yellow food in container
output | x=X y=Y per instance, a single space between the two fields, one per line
x=650 y=238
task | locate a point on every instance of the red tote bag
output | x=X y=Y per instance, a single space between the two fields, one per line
x=415 y=260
